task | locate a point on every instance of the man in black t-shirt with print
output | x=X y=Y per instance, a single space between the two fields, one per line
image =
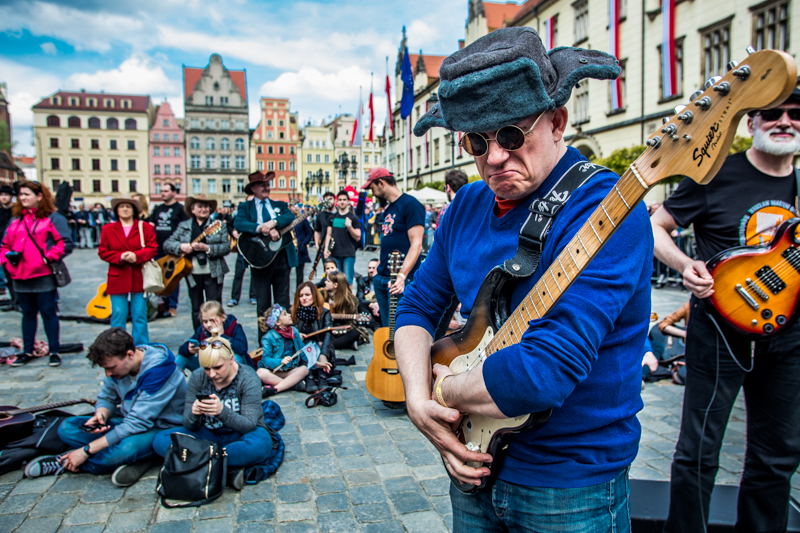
x=345 y=230
x=403 y=228
x=165 y=219
x=750 y=196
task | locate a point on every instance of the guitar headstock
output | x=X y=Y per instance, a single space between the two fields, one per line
x=395 y=262
x=213 y=228
x=696 y=140
x=327 y=203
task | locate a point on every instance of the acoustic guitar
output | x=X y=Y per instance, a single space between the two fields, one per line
x=176 y=267
x=383 y=377
x=100 y=306
x=260 y=250
x=692 y=143
x=756 y=287
x=16 y=423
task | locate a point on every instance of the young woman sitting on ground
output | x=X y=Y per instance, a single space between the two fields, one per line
x=223 y=405
x=213 y=317
x=278 y=369
x=342 y=301
x=310 y=315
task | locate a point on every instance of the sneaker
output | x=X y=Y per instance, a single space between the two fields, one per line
x=300 y=386
x=173 y=312
x=311 y=386
x=236 y=478
x=23 y=360
x=127 y=475
x=46 y=465
x=55 y=359
x=268 y=390
x=253 y=301
x=233 y=303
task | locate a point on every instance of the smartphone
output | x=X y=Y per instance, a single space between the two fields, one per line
x=194 y=341
x=202 y=397
x=88 y=429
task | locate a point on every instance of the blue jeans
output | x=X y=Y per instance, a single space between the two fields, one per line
x=193 y=364
x=127 y=451
x=243 y=451
x=138 y=306
x=503 y=506
x=33 y=303
x=172 y=299
x=347 y=265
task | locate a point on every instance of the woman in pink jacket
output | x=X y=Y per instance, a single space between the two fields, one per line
x=30 y=231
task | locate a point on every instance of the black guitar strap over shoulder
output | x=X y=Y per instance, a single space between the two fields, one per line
x=542 y=212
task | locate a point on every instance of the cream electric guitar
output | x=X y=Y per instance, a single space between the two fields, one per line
x=693 y=143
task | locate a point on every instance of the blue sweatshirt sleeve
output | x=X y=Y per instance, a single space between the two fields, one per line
x=109 y=396
x=557 y=352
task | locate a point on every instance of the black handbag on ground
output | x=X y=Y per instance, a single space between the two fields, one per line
x=195 y=472
x=58 y=268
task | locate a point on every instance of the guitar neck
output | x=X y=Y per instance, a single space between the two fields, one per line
x=584 y=246
x=47 y=407
x=392 y=307
x=291 y=226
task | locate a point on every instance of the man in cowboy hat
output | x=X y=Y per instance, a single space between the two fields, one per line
x=263 y=217
x=507 y=94
x=207 y=255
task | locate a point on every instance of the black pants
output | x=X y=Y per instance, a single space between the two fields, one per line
x=346 y=340
x=205 y=290
x=300 y=274
x=772 y=400
x=238 y=277
x=272 y=281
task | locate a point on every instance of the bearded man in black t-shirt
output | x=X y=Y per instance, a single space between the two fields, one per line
x=165 y=219
x=748 y=199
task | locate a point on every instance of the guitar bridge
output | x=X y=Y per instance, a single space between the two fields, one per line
x=746 y=296
x=391 y=371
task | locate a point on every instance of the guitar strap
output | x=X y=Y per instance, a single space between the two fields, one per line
x=542 y=212
x=797 y=190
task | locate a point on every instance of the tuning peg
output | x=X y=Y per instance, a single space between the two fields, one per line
x=704 y=103
x=679 y=109
x=710 y=82
x=732 y=65
x=670 y=129
x=655 y=142
x=742 y=72
x=686 y=117
x=750 y=50
x=664 y=120
x=723 y=88
x=694 y=95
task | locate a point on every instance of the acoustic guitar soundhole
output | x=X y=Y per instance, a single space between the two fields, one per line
x=4 y=415
x=388 y=349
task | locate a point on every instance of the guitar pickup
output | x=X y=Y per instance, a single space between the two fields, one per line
x=391 y=371
x=768 y=277
x=746 y=295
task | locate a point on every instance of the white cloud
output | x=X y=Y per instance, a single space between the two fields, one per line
x=136 y=75
x=48 y=48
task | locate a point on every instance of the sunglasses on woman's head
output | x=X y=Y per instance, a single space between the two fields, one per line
x=214 y=344
x=509 y=138
x=771 y=115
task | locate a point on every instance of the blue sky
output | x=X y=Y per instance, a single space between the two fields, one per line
x=317 y=53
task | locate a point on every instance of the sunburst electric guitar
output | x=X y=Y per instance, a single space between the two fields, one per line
x=176 y=267
x=693 y=143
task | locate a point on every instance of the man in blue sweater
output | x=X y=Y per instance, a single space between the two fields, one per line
x=583 y=358
x=143 y=393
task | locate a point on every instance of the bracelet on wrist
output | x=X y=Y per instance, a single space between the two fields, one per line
x=401 y=274
x=87 y=452
x=438 y=392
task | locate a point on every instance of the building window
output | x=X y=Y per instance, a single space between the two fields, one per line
x=292 y=183
x=239 y=162
x=76 y=185
x=114 y=185
x=158 y=187
x=270 y=150
x=112 y=124
x=166 y=151
x=112 y=144
x=156 y=169
x=281 y=150
x=55 y=163
x=716 y=50
x=54 y=143
x=291 y=165
x=226 y=186
x=73 y=122
x=194 y=161
x=114 y=164
x=177 y=151
x=435 y=153
x=212 y=186
x=771 y=26
x=269 y=122
x=167 y=170
x=282 y=165
x=108 y=102
x=165 y=124
x=211 y=162
x=225 y=162
x=239 y=144
x=196 y=188
x=210 y=144
x=209 y=100
x=327 y=158
x=209 y=124
x=76 y=164
x=157 y=137
x=678 y=70
x=291 y=150
x=156 y=151
x=581 y=21
x=177 y=186
x=269 y=135
x=260 y=150
x=282 y=183
x=175 y=137
x=94 y=123
x=224 y=124
x=96 y=186
x=270 y=165
x=95 y=164
x=260 y=165
x=308 y=158
x=131 y=145
x=177 y=170
x=56 y=183
x=376 y=160
x=194 y=123
x=75 y=143
x=131 y=185
x=224 y=144
x=366 y=156
x=126 y=104
x=240 y=124
x=53 y=122
x=223 y=100
x=280 y=135
x=240 y=186
x=95 y=144
x=130 y=124
x=131 y=164
x=194 y=143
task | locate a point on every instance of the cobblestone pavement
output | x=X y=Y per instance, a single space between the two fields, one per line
x=356 y=466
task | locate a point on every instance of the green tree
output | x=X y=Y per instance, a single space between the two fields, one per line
x=475 y=177
x=740 y=144
x=620 y=159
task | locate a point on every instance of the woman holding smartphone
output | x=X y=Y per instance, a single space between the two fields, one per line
x=223 y=405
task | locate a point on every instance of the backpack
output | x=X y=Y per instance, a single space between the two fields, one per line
x=273 y=417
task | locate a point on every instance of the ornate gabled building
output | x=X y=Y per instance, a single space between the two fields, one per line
x=277 y=145
x=216 y=130
x=167 y=153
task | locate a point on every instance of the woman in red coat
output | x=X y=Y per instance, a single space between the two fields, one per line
x=121 y=247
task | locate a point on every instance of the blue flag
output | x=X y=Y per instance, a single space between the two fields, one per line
x=407 y=77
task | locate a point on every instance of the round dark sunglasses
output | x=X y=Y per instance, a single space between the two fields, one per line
x=771 y=115
x=508 y=138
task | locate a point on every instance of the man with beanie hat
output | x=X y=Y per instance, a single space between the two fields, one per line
x=507 y=93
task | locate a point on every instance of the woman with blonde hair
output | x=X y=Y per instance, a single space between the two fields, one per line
x=342 y=302
x=223 y=405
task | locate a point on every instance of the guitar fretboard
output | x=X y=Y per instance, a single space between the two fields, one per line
x=569 y=264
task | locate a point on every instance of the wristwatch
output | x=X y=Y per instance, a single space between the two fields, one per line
x=86 y=451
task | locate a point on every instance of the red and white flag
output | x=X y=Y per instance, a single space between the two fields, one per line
x=613 y=33
x=668 y=63
x=389 y=118
x=549 y=33
x=359 y=124
x=371 y=112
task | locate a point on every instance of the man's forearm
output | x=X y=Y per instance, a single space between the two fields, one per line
x=467 y=393
x=412 y=350
x=411 y=257
x=667 y=251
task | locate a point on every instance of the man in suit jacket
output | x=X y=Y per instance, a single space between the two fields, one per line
x=262 y=216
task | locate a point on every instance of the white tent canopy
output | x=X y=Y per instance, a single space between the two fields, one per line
x=427 y=195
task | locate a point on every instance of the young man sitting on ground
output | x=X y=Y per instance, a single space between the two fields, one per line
x=149 y=389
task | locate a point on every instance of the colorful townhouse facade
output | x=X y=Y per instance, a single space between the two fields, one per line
x=277 y=147
x=167 y=153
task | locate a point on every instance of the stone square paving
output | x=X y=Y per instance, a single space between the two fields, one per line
x=356 y=466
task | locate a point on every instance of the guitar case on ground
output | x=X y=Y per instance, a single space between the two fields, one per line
x=43 y=440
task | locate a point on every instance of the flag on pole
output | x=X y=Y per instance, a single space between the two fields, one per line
x=668 y=64
x=407 y=77
x=613 y=33
x=371 y=111
x=427 y=163
x=359 y=124
x=389 y=100
x=311 y=351
x=549 y=33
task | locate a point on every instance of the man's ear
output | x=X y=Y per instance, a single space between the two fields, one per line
x=559 y=122
x=751 y=125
